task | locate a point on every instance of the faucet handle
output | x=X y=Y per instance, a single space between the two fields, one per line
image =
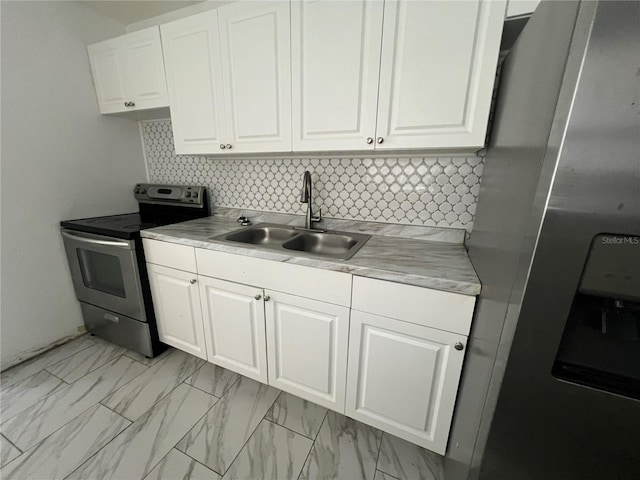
x=318 y=217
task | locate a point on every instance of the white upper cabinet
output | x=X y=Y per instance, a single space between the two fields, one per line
x=437 y=72
x=256 y=71
x=229 y=78
x=192 y=57
x=335 y=60
x=128 y=72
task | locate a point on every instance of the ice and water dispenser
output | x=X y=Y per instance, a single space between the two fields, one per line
x=600 y=347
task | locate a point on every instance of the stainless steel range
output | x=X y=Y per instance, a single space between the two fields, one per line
x=107 y=264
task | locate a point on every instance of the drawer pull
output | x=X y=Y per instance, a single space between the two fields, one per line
x=458 y=346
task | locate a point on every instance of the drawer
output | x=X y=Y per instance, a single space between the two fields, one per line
x=423 y=306
x=323 y=285
x=168 y=254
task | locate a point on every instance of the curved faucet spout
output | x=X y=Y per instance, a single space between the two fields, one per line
x=306 y=196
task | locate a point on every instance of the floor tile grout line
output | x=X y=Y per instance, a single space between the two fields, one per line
x=154 y=403
x=48 y=364
x=49 y=351
x=313 y=445
x=97 y=402
x=12 y=444
x=202 y=390
x=55 y=390
x=194 y=459
x=103 y=447
x=251 y=435
x=196 y=423
x=287 y=428
x=55 y=431
x=86 y=373
x=379 y=449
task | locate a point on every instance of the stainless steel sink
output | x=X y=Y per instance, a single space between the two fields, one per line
x=320 y=243
x=262 y=235
x=327 y=244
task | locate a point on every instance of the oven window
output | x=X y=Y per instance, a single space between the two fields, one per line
x=101 y=272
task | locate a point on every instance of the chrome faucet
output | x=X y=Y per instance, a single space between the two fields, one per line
x=307 y=197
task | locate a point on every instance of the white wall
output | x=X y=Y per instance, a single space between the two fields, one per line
x=60 y=160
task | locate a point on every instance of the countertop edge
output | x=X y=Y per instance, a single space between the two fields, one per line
x=436 y=283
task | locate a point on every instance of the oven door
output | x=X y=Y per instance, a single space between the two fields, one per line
x=105 y=272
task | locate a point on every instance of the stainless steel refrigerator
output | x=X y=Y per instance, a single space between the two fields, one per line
x=551 y=387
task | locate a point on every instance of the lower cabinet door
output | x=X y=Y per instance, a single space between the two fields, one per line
x=307 y=342
x=403 y=378
x=234 y=327
x=176 y=301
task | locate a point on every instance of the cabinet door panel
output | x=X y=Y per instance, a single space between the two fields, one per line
x=437 y=72
x=307 y=348
x=176 y=303
x=192 y=61
x=255 y=45
x=144 y=64
x=403 y=378
x=335 y=63
x=234 y=327
x=108 y=76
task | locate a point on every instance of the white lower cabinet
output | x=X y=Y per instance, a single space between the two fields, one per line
x=307 y=343
x=403 y=378
x=176 y=301
x=386 y=354
x=234 y=327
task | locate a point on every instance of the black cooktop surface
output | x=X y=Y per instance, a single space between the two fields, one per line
x=125 y=226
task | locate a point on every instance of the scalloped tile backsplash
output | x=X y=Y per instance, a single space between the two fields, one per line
x=419 y=190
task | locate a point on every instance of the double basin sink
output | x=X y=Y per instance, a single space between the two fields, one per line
x=320 y=243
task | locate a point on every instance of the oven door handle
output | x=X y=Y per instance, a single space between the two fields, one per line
x=109 y=243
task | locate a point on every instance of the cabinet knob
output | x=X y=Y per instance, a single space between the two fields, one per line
x=369 y=140
x=380 y=139
x=228 y=146
x=258 y=296
x=192 y=281
x=222 y=147
x=458 y=346
x=267 y=298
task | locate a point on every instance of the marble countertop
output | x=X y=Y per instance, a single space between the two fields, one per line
x=410 y=260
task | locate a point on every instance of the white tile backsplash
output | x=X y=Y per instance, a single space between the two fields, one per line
x=423 y=190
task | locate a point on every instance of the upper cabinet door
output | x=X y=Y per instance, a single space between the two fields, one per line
x=192 y=60
x=128 y=72
x=335 y=64
x=437 y=72
x=256 y=70
x=108 y=75
x=144 y=67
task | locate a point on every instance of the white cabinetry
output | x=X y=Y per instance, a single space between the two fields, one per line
x=176 y=302
x=234 y=327
x=128 y=72
x=307 y=345
x=437 y=72
x=405 y=359
x=403 y=378
x=335 y=60
x=192 y=59
x=228 y=72
x=422 y=78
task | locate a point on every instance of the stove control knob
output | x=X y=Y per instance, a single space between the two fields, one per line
x=143 y=191
x=136 y=190
x=188 y=194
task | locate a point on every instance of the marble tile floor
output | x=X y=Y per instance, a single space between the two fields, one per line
x=91 y=410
